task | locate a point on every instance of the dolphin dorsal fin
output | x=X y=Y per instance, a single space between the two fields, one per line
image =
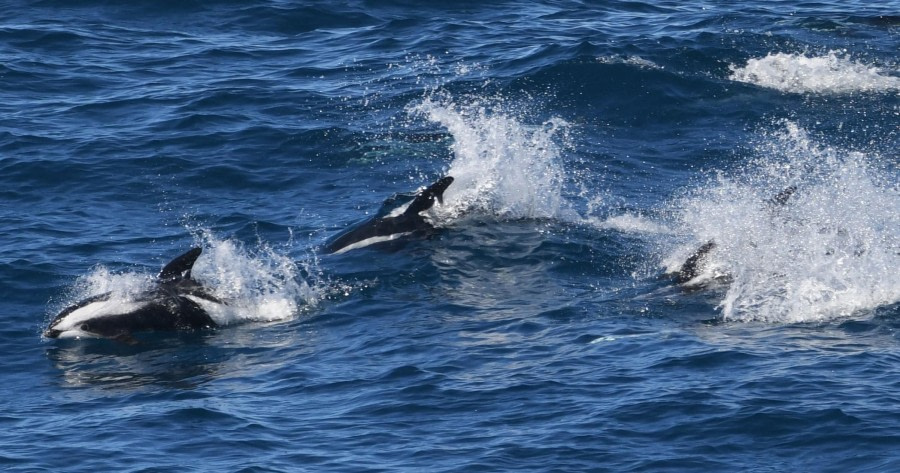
x=180 y=267
x=693 y=265
x=425 y=199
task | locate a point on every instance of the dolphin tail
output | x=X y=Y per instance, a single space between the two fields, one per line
x=425 y=199
x=180 y=267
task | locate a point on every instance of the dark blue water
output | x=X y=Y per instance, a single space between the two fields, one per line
x=594 y=146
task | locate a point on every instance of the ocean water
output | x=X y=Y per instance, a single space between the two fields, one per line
x=595 y=146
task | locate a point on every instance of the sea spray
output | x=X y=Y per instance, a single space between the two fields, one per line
x=261 y=284
x=830 y=250
x=509 y=165
x=628 y=223
x=123 y=286
x=502 y=166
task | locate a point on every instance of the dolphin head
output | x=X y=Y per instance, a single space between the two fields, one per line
x=101 y=316
x=75 y=321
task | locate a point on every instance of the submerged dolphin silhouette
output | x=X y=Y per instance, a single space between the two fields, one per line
x=175 y=302
x=390 y=227
x=696 y=262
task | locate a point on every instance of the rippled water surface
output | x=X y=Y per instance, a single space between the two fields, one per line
x=540 y=327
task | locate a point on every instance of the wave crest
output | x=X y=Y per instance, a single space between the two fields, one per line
x=833 y=73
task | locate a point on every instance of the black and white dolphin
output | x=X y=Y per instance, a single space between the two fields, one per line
x=400 y=223
x=696 y=263
x=175 y=302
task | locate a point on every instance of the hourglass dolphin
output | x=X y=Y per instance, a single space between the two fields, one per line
x=175 y=302
x=395 y=225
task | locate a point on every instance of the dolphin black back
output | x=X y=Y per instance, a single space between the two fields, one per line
x=375 y=227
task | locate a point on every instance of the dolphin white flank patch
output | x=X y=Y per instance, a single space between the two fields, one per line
x=371 y=241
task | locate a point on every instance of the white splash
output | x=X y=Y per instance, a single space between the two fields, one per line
x=831 y=251
x=260 y=285
x=501 y=166
x=628 y=223
x=124 y=286
x=833 y=73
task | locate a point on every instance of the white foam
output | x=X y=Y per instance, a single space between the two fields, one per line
x=101 y=280
x=833 y=73
x=832 y=251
